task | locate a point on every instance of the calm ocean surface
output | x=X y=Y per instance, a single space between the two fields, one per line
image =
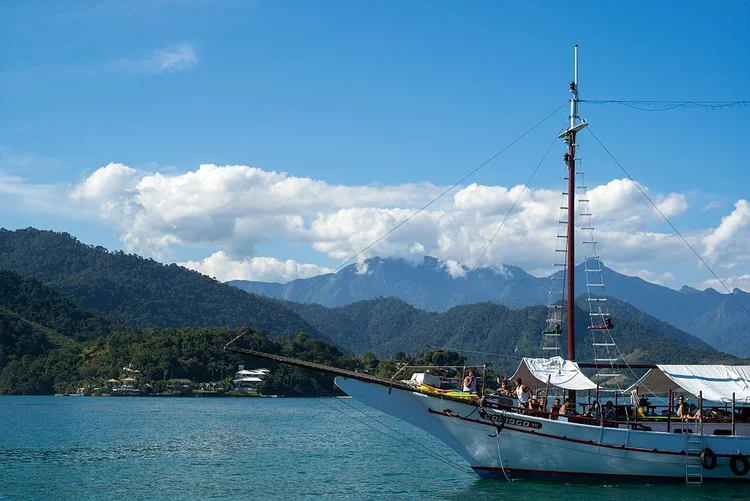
x=56 y=448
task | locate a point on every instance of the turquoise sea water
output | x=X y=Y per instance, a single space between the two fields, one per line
x=57 y=448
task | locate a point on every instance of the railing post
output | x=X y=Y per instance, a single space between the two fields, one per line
x=700 y=409
x=732 y=413
x=599 y=407
x=484 y=377
x=669 y=412
x=546 y=392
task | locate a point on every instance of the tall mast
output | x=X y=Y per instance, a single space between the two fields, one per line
x=570 y=157
x=571 y=211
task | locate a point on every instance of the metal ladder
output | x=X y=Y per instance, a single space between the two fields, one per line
x=693 y=466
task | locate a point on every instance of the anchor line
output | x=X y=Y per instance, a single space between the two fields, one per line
x=417 y=447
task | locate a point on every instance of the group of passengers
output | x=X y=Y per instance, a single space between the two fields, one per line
x=685 y=411
x=558 y=410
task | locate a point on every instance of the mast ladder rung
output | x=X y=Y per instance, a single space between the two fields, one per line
x=606 y=359
x=584 y=214
x=563 y=208
x=550 y=348
x=589 y=228
x=562 y=222
x=582 y=187
x=558 y=278
x=555 y=306
x=599 y=314
x=594 y=285
x=565 y=193
x=606 y=374
x=604 y=344
x=592 y=270
x=562 y=236
x=589 y=241
x=559 y=264
x=561 y=250
x=597 y=299
x=580 y=172
x=583 y=200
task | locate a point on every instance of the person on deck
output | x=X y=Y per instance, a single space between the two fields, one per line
x=694 y=414
x=555 y=410
x=568 y=409
x=505 y=396
x=470 y=382
x=503 y=391
x=608 y=412
x=522 y=393
x=680 y=408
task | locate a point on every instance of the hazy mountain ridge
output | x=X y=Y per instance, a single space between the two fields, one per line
x=713 y=317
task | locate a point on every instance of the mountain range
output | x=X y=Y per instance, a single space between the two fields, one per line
x=715 y=318
x=71 y=313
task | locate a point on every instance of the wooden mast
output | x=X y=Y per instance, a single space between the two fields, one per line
x=570 y=157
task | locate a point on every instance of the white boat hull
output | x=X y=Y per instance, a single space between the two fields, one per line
x=497 y=444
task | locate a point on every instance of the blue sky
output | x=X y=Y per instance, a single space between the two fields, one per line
x=403 y=97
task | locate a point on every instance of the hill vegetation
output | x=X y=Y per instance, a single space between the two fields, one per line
x=135 y=292
x=387 y=326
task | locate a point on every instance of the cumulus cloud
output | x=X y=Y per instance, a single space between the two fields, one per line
x=725 y=239
x=235 y=208
x=263 y=269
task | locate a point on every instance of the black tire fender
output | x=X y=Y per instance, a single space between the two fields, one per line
x=739 y=465
x=708 y=459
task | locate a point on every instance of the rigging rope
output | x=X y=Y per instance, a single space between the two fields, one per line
x=424 y=207
x=668 y=105
x=677 y=232
x=518 y=198
x=418 y=447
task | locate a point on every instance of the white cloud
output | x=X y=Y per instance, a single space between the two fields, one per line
x=235 y=208
x=263 y=269
x=170 y=58
x=454 y=268
x=740 y=282
x=730 y=239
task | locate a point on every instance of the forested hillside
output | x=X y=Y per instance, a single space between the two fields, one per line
x=386 y=326
x=136 y=292
x=718 y=319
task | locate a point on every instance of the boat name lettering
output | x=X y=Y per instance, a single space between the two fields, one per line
x=512 y=421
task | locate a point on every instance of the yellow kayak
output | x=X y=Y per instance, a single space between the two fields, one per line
x=431 y=390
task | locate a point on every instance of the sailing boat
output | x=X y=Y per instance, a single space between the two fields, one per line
x=507 y=442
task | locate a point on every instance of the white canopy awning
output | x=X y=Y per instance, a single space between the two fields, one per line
x=716 y=382
x=560 y=373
